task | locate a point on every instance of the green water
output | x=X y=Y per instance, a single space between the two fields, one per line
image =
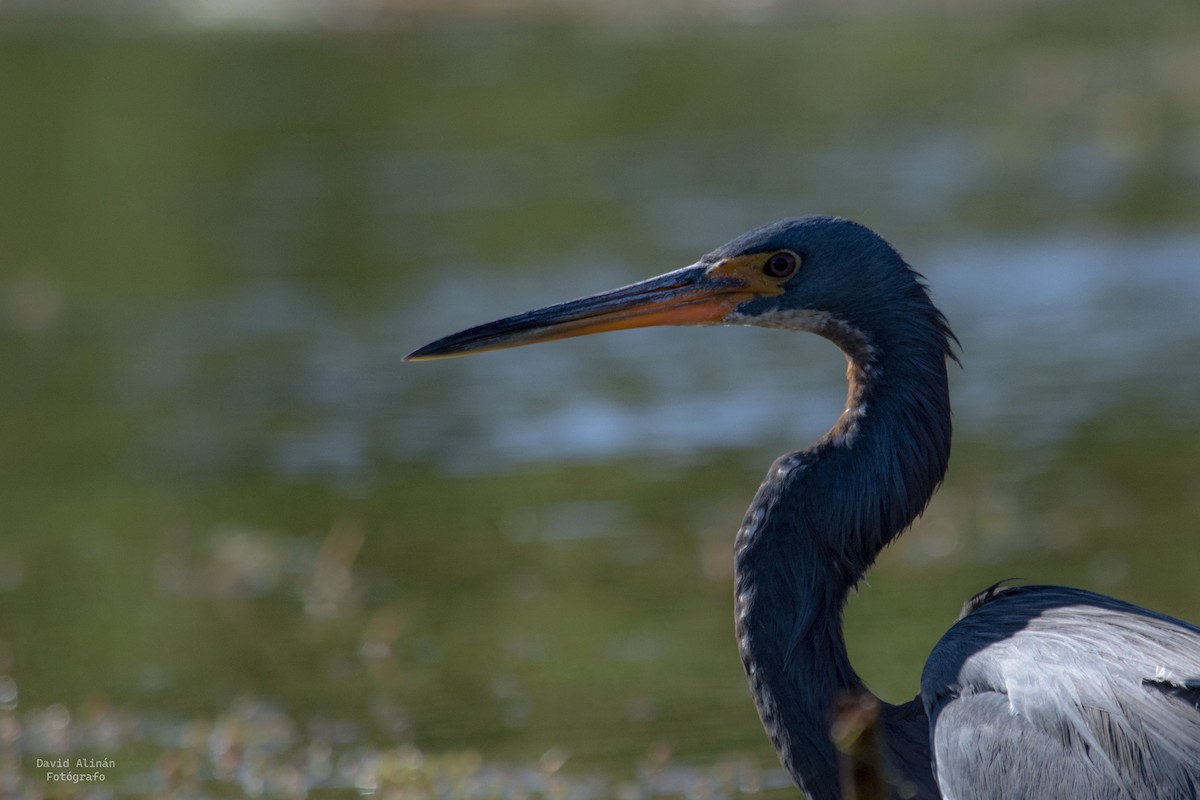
x=247 y=550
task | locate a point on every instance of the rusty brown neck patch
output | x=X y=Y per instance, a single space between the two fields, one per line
x=861 y=364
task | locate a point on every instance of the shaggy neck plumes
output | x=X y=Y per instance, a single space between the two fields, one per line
x=820 y=519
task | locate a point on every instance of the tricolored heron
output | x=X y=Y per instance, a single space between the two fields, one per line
x=1036 y=691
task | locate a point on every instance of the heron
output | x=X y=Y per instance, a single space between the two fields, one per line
x=1035 y=691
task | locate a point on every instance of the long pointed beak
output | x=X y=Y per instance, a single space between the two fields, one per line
x=695 y=295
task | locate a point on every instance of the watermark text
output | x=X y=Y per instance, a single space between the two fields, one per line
x=75 y=770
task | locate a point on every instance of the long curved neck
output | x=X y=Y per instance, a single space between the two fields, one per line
x=817 y=524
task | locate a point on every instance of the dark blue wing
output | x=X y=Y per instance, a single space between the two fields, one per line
x=1046 y=692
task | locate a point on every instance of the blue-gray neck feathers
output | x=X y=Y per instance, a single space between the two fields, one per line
x=822 y=515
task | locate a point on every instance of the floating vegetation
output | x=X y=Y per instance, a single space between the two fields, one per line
x=254 y=749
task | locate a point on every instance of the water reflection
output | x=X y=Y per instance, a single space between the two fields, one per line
x=1053 y=331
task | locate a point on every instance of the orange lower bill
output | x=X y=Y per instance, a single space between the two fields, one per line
x=690 y=296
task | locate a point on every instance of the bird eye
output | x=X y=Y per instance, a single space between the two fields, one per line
x=781 y=264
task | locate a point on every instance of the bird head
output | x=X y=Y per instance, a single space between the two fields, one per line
x=822 y=274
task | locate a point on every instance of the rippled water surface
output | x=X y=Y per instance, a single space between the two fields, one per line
x=249 y=551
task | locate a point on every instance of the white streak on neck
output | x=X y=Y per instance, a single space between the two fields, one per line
x=861 y=357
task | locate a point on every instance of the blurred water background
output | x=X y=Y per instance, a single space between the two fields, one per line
x=246 y=551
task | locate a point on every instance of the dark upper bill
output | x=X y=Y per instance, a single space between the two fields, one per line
x=701 y=294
